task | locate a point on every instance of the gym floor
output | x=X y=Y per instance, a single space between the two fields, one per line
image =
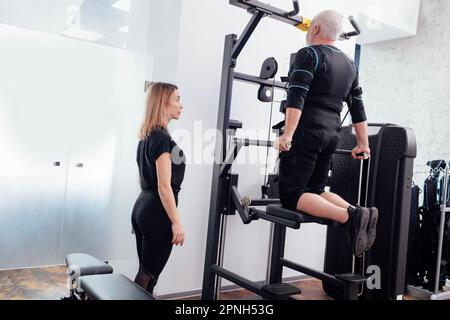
x=50 y=284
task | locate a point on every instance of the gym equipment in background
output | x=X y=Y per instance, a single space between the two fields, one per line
x=429 y=242
x=393 y=150
x=225 y=198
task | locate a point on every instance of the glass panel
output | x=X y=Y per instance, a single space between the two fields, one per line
x=71 y=98
x=116 y=23
x=31 y=186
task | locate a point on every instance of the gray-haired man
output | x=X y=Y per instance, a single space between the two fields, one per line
x=321 y=79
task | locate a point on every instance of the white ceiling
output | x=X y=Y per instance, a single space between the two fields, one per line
x=52 y=16
x=379 y=19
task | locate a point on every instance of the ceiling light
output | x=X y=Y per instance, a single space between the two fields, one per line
x=124 y=29
x=81 y=34
x=122 y=5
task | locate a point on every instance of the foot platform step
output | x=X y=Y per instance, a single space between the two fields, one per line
x=352 y=278
x=282 y=290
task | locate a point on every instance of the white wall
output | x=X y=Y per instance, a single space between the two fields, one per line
x=163 y=27
x=406 y=82
x=203 y=27
x=400 y=14
x=382 y=20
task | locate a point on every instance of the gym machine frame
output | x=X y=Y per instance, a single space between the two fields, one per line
x=436 y=294
x=225 y=198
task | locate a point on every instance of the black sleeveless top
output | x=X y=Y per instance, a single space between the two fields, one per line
x=149 y=150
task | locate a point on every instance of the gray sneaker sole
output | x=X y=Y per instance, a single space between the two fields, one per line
x=361 y=237
x=372 y=228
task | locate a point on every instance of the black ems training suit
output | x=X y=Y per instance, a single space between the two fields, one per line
x=320 y=80
x=151 y=224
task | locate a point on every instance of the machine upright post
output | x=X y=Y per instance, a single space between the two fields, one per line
x=211 y=257
x=279 y=239
x=441 y=233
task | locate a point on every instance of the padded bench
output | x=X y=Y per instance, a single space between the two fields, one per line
x=83 y=265
x=80 y=264
x=92 y=278
x=349 y=282
x=112 y=287
x=278 y=211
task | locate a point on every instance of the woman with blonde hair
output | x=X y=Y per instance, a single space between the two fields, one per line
x=161 y=163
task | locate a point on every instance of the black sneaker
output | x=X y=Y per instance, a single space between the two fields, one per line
x=357 y=224
x=372 y=228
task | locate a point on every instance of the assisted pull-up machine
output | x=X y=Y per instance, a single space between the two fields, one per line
x=225 y=197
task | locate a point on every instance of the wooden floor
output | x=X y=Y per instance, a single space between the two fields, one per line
x=51 y=284
x=34 y=284
x=311 y=290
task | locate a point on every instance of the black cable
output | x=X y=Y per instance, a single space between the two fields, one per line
x=346 y=115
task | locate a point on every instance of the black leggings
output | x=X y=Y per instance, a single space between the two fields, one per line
x=153 y=230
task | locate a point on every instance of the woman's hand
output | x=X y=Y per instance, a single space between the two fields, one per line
x=178 y=234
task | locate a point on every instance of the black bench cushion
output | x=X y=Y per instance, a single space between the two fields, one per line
x=112 y=287
x=87 y=264
x=278 y=211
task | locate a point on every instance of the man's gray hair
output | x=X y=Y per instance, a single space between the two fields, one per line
x=330 y=23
